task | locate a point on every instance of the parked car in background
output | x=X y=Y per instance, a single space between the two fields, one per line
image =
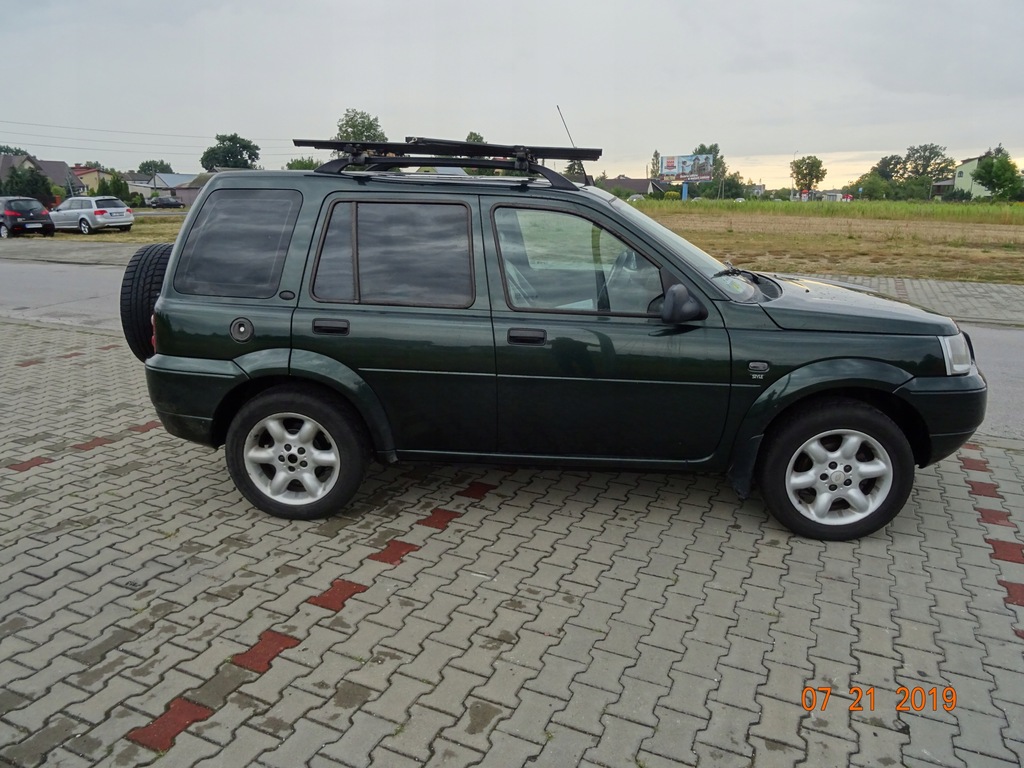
x=23 y=216
x=87 y=214
x=165 y=201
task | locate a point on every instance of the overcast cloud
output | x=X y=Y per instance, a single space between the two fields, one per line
x=846 y=81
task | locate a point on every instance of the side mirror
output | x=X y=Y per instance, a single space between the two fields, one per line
x=681 y=307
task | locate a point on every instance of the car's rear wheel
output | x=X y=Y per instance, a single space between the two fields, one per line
x=140 y=288
x=4 y=232
x=85 y=227
x=837 y=471
x=126 y=229
x=295 y=455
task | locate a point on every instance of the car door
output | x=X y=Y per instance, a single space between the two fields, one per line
x=585 y=365
x=59 y=215
x=396 y=294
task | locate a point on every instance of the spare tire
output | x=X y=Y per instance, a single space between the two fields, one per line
x=140 y=288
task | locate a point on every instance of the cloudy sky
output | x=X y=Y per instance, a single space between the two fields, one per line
x=121 y=82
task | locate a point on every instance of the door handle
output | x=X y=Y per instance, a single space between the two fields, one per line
x=532 y=336
x=331 y=327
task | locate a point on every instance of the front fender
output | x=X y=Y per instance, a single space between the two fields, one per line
x=350 y=385
x=817 y=378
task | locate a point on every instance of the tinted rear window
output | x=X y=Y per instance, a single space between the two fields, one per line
x=25 y=205
x=110 y=202
x=408 y=254
x=238 y=243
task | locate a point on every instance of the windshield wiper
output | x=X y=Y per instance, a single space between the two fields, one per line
x=734 y=271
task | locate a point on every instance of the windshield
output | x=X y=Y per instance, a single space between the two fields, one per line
x=738 y=286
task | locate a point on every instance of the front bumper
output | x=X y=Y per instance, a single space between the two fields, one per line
x=952 y=408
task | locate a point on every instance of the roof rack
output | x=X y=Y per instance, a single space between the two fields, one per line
x=444 y=153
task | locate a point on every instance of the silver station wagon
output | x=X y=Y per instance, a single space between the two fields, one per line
x=87 y=214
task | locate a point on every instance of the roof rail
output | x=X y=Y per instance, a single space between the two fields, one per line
x=444 y=153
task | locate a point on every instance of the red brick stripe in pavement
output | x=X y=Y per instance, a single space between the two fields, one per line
x=1014 y=592
x=476 y=490
x=438 y=519
x=989 y=490
x=96 y=442
x=33 y=462
x=161 y=733
x=258 y=657
x=1008 y=551
x=149 y=425
x=393 y=553
x=995 y=517
x=334 y=598
x=978 y=465
x=27 y=363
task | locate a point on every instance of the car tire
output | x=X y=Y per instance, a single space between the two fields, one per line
x=85 y=227
x=126 y=229
x=5 y=233
x=837 y=471
x=270 y=449
x=140 y=288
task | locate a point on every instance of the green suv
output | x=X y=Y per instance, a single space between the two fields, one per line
x=310 y=321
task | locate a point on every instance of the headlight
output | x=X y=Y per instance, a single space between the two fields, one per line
x=957 y=354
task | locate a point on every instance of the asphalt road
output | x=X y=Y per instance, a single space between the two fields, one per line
x=87 y=295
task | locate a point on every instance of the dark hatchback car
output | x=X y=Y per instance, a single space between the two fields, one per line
x=165 y=201
x=310 y=321
x=24 y=216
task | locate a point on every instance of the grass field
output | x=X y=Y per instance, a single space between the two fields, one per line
x=980 y=243
x=146 y=229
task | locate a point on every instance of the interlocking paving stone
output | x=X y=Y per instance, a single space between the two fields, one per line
x=564 y=617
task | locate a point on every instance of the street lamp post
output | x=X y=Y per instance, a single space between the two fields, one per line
x=791 y=174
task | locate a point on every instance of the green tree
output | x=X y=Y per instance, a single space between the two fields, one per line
x=999 y=174
x=889 y=168
x=655 y=165
x=102 y=188
x=7 y=149
x=357 y=125
x=720 y=170
x=118 y=187
x=807 y=171
x=29 y=183
x=302 y=164
x=151 y=167
x=98 y=166
x=475 y=138
x=871 y=186
x=575 y=168
x=927 y=160
x=230 y=151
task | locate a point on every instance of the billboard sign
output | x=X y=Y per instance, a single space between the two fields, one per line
x=686 y=167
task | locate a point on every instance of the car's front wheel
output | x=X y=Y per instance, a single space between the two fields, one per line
x=837 y=471
x=295 y=455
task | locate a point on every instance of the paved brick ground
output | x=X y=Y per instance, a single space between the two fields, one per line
x=476 y=616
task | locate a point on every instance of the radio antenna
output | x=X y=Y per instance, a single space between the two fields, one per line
x=565 y=126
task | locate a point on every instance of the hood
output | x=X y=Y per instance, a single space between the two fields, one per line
x=808 y=304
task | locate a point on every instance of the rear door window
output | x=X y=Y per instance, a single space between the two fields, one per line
x=238 y=243
x=405 y=254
